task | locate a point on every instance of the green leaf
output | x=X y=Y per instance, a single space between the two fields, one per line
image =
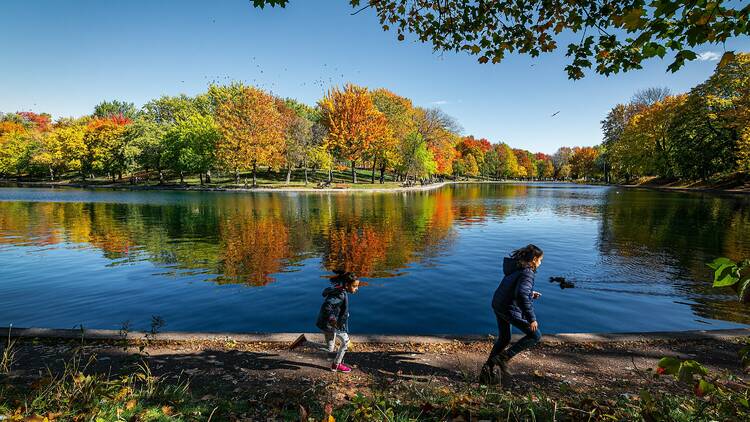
x=726 y=281
x=706 y=387
x=671 y=365
x=719 y=262
x=688 y=369
x=723 y=271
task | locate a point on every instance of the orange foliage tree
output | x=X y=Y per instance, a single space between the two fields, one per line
x=254 y=248
x=252 y=132
x=583 y=161
x=353 y=122
x=359 y=250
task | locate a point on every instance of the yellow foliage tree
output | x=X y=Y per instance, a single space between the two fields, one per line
x=62 y=149
x=252 y=132
x=399 y=112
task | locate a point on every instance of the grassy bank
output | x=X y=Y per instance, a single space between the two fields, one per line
x=266 y=179
x=231 y=381
x=738 y=182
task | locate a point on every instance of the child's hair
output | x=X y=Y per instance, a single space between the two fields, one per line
x=344 y=279
x=526 y=255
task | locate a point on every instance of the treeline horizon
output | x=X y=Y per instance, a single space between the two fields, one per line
x=237 y=129
x=698 y=135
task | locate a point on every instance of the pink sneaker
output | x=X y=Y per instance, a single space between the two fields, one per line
x=340 y=368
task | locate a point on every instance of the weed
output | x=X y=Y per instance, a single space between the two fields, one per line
x=8 y=357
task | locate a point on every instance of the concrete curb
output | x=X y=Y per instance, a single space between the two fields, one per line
x=92 y=334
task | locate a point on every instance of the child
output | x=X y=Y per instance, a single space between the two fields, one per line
x=333 y=318
x=512 y=303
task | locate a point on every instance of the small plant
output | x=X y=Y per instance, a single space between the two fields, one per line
x=9 y=354
x=728 y=273
x=157 y=323
x=123 y=335
x=687 y=371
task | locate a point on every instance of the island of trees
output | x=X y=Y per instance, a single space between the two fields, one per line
x=239 y=131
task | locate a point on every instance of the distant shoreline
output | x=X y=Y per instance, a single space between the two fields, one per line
x=199 y=188
x=733 y=191
x=360 y=187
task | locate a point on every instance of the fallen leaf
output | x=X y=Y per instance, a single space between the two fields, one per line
x=130 y=404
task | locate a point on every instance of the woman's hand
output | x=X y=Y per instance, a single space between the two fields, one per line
x=535 y=295
x=534 y=326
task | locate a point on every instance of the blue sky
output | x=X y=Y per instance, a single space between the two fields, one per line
x=64 y=57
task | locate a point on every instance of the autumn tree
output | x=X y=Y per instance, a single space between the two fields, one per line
x=440 y=132
x=416 y=159
x=583 y=162
x=104 y=141
x=353 y=123
x=399 y=113
x=545 y=169
x=39 y=122
x=508 y=167
x=472 y=151
x=527 y=169
x=16 y=151
x=115 y=108
x=62 y=148
x=252 y=133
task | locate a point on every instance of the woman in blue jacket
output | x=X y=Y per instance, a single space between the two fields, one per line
x=512 y=303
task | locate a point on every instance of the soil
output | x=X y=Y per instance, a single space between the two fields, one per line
x=262 y=369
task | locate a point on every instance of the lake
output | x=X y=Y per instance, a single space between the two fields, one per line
x=258 y=262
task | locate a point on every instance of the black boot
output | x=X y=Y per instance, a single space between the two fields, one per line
x=501 y=360
x=487 y=374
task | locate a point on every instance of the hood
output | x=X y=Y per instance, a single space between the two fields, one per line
x=330 y=290
x=510 y=266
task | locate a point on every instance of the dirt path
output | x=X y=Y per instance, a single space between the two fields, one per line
x=218 y=367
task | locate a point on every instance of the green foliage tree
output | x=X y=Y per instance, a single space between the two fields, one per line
x=116 y=108
x=190 y=146
x=146 y=146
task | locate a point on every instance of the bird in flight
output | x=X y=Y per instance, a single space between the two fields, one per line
x=555 y=114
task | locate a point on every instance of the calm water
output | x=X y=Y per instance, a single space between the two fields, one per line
x=247 y=262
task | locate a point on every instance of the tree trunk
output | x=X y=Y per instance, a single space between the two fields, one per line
x=305 y=174
x=288 y=175
x=236 y=176
x=330 y=175
x=354 y=172
x=200 y=176
x=255 y=180
x=382 y=172
x=374 y=162
x=113 y=178
x=208 y=176
x=161 y=177
x=51 y=174
x=182 y=178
